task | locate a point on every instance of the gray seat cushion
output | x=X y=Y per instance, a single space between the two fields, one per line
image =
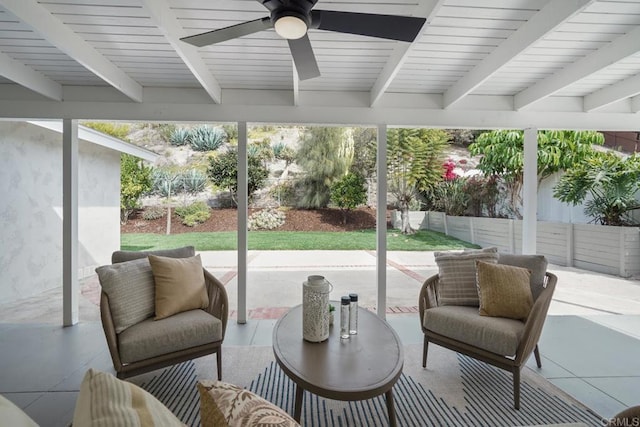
x=537 y=264
x=461 y=323
x=151 y=338
x=122 y=256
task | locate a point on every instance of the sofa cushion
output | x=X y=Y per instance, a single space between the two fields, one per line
x=223 y=404
x=130 y=288
x=457 y=275
x=11 y=415
x=503 y=290
x=537 y=264
x=122 y=256
x=179 y=285
x=151 y=338
x=495 y=334
x=106 y=401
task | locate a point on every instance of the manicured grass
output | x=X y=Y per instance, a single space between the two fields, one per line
x=295 y=240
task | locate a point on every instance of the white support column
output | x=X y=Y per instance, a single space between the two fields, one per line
x=243 y=207
x=70 y=285
x=530 y=192
x=381 y=221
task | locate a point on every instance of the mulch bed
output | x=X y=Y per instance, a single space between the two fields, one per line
x=227 y=220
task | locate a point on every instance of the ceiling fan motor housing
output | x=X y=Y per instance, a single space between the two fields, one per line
x=300 y=9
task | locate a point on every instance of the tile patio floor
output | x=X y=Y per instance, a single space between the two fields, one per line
x=590 y=345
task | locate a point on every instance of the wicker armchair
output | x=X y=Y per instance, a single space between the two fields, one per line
x=528 y=343
x=180 y=325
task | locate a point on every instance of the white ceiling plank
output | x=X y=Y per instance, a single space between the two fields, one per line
x=619 y=49
x=610 y=94
x=164 y=18
x=635 y=104
x=546 y=20
x=29 y=78
x=426 y=9
x=63 y=38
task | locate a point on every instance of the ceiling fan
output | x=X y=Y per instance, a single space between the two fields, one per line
x=291 y=19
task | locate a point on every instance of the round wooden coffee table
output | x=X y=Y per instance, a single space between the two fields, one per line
x=364 y=366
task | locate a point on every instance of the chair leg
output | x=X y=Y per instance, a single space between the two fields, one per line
x=219 y=363
x=425 y=349
x=516 y=388
x=536 y=353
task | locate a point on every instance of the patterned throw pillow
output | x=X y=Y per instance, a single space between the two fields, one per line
x=106 y=401
x=179 y=285
x=457 y=275
x=504 y=290
x=223 y=404
x=130 y=288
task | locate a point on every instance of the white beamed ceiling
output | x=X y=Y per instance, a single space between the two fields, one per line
x=477 y=63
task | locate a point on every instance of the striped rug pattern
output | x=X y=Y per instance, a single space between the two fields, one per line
x=487 y=400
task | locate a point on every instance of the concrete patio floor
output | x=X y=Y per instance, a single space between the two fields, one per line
x=590 y=344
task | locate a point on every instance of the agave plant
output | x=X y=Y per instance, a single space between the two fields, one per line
x=179 y=137
x=193 y=181
x=207 y=138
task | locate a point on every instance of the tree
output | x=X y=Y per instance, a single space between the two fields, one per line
x=415 y=158
x=348 y=193
x=223 y=172
x=365 y=146
x=166 y=183
x=325 y=154
x=502 y=154
x=135 y=180
x=609 y=182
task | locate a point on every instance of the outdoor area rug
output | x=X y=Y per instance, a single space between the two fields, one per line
x=453 y=390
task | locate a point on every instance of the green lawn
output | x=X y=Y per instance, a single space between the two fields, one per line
x=423 y=240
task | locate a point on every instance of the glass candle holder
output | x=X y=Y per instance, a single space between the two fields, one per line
x=344 y=317
x=353 y=314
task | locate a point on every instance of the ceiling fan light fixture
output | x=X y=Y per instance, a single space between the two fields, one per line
x=290 y=27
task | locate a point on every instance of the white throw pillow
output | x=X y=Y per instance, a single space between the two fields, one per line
x=11 y=415
x=106 y=401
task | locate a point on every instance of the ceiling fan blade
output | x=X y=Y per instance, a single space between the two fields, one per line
x=304 y=58
x=228 y=33
x=393 y=27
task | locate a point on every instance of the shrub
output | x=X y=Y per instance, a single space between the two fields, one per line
x=283 y=192
x=223 y=172
x=483 y=195
x=450 y=197
x=193 y=214
x=266 y=219
x=193 y=181
x=207 y=138
x=154 y=212
x=232 y=132
x=179 y=137
x=135 y=180
x=277 y=149
x=117 y=130
x=348 y=193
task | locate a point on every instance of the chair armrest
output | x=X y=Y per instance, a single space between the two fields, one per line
x=535 y=321
x=109 y=330
x=218 y=300
x=428 y=297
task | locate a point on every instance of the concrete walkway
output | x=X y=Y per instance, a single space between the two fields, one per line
x=275 y=283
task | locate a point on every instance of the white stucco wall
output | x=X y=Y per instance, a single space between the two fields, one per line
x=31 y=208
x=551 y=209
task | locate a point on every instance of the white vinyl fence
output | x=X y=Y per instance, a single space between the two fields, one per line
x=601 y=248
